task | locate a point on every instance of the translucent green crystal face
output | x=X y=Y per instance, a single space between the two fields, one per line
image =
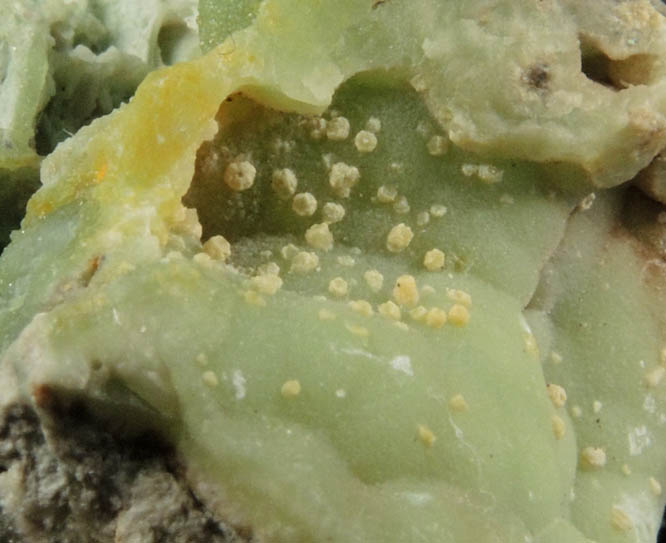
x=350 y=263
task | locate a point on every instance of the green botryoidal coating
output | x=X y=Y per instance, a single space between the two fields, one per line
x=364 y=304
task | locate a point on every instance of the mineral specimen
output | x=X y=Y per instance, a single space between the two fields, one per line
x=373 y=270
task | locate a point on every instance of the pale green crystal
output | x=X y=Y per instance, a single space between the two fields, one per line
x=106 y=293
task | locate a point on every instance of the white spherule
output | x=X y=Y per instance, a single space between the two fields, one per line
x=365 y=141
x=239 y=175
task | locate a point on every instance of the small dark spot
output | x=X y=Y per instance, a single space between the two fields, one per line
x=212 y=527
x=595 y=68
x=538 y=76
x=43 y=396
x=598 y=421
x=76 y=409
x=662 y=531
x=377 y=3
x=168 y=37
x=460 y=263
x=245 y=532
x=93 y=265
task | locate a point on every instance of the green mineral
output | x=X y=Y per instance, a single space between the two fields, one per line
x=376 y=269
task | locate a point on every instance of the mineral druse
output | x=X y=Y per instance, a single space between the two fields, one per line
x=374 y=269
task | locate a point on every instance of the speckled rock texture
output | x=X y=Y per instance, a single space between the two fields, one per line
x=64 y=479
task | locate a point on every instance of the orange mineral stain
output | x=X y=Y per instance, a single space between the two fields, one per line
x=101 y=173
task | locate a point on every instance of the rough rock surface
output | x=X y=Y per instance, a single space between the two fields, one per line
x=68 y=481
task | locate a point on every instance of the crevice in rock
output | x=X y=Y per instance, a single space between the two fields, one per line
x=616 y=74
x=645 y=220
x=539 y=292
x=16 y=187
x=652 y=179
x=171 y=34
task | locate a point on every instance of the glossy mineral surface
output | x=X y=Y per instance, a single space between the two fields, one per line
x=372 y=268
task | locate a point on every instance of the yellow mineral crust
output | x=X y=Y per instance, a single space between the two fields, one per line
x=149 y=144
